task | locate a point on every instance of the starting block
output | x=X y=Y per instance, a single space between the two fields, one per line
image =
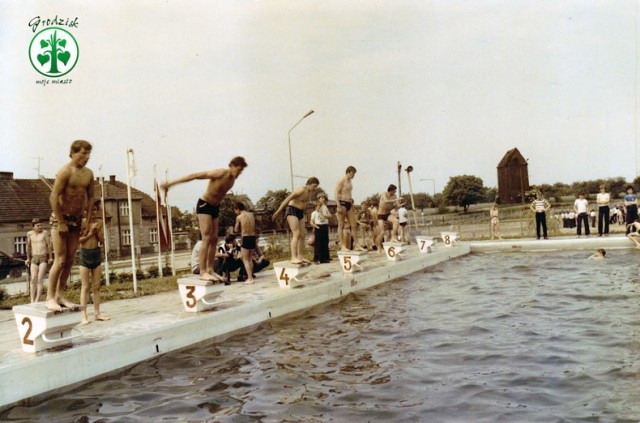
x=349 y=259
x=40 y=328
x=424 y=243
x=287 y=273
x=448 y=238
x=198 y=295
x=393 y=250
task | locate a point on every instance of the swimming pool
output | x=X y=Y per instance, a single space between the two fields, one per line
x=507 y=337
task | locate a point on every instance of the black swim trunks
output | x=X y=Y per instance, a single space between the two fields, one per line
x=294 y=211
x=89 y=257
x=249 y=242
x=383 y=216
x=346 y=204
x=205 y=208
x=74 y=223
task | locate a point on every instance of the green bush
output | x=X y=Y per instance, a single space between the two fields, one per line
x=153 y=272
x=124 y=277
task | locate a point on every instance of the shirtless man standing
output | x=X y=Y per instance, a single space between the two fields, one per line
x=39 y=257
x=345 y=210
x=246 y=225
x=388 y=200
x=295 y=204
x=72 y=191
x=208 y=209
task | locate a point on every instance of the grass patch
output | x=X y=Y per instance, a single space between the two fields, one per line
x=115 y=291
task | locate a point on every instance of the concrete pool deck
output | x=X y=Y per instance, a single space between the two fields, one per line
x=145 y=327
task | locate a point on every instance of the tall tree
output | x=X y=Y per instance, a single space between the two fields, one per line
x=464 y=191
x=272 y=199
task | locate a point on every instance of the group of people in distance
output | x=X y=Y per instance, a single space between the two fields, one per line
x=246 y=256
x=580 y=207
x=348 y=224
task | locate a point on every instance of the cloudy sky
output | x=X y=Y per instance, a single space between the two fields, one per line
x=445 y=86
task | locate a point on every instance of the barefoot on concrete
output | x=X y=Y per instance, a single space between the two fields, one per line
x=53 y=305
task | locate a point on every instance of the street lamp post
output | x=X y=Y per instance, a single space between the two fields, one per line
x=290 y=160
x=409 y=169
x=399 y=180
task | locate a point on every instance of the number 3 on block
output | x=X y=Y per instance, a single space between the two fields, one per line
x=191 y=299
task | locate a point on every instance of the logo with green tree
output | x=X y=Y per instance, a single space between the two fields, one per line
x=53 y=52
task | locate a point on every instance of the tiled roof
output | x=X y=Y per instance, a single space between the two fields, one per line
x=514 y=153
x=24 y=199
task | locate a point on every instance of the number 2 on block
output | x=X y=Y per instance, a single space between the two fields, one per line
x=25 y=339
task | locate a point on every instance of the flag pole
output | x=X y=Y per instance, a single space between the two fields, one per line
x=156 y=189
x=104 y=230
x=173 y=246
x=132 y=243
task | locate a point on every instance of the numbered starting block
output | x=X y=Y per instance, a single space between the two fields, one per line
x=424 y=243
x=448 y=238
x=288 y=273
x=393 y=250
x=198 y=295
x=41 y=329
x=349 y=260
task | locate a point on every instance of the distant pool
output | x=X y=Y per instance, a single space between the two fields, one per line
x=518 y=337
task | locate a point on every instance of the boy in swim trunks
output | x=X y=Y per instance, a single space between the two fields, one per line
x=345 y=211
x=246 y=225
x=90 y=265
x=72 y=190
x=208 y=209
x=388 y=201
x=39 y=257
x=294 y=206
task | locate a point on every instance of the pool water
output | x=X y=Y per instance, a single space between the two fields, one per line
x=520 y=337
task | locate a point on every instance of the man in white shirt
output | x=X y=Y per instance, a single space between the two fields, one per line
x=580 y=207
x=603 y=199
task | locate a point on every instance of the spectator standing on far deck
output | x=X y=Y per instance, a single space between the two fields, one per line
x=631 y=207
x=581 y=208
x=603 y=199
x=540 y=206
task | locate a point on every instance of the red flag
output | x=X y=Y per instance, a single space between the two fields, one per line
x=163 y=220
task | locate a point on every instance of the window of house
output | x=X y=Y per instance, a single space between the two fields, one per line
x=126 y=236
x=20 y=244
x=153 y=235
x=124 y=209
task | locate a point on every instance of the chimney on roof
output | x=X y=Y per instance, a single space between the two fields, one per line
x=6 y=176
x=112 y=178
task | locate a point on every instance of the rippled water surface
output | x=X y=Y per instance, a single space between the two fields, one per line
x=523 y=337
